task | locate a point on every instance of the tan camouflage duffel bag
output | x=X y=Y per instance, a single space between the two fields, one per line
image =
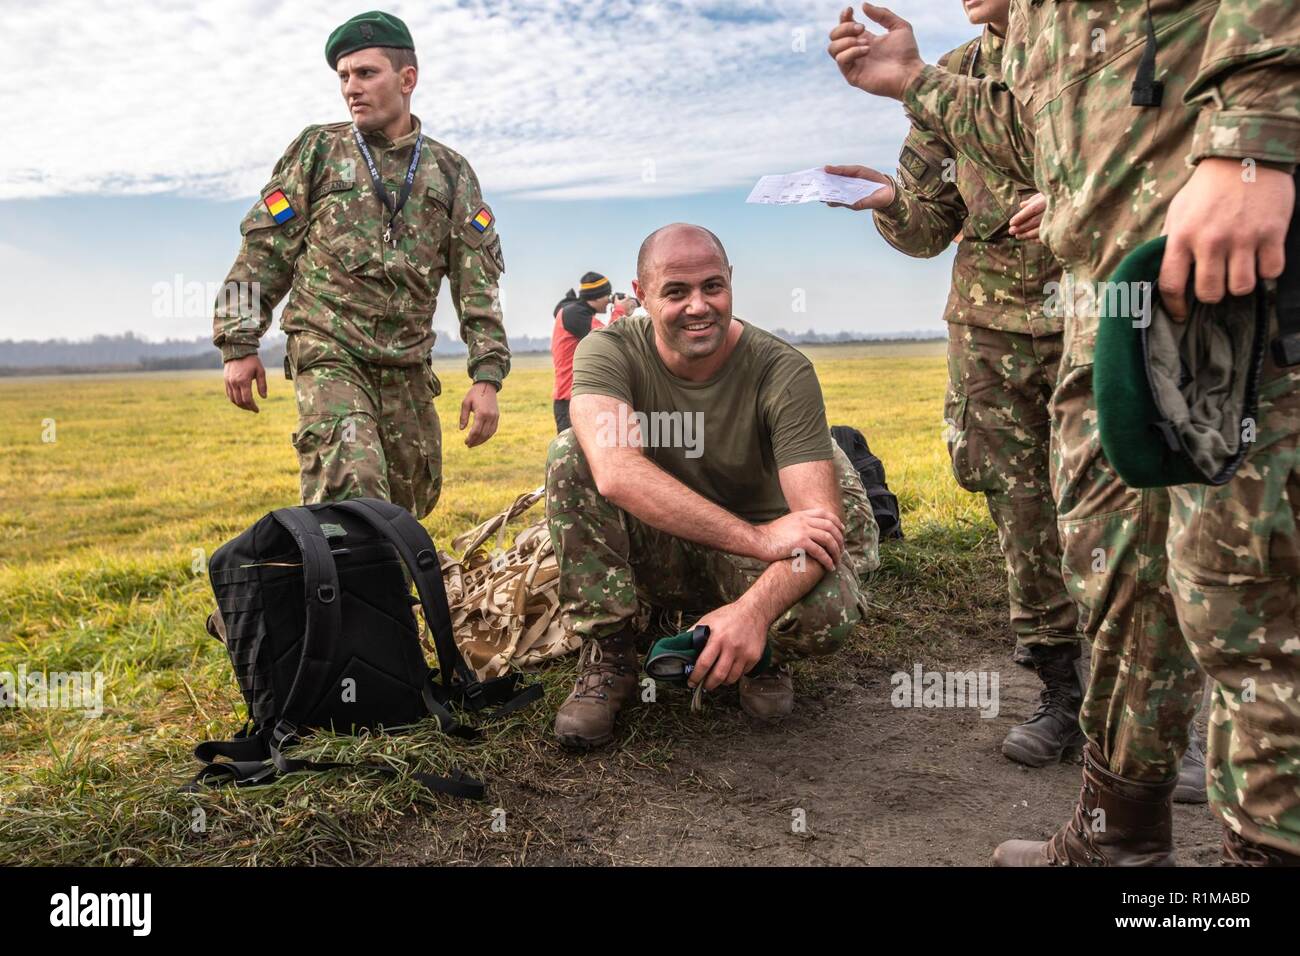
x=505 y=605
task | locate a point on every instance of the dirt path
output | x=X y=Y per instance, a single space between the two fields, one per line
x=877 y=785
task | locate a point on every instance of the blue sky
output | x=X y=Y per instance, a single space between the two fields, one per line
x=589 y=125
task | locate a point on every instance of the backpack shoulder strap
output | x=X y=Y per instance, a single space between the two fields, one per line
x=324 y=628
x=459 y=682
x=417 y=551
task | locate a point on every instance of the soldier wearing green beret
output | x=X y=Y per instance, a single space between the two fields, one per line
x=358 y=226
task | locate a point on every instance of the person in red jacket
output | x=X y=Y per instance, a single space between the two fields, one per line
x=575 y=317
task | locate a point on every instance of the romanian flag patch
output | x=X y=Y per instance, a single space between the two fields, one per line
x=482 y=220
x=279 y=207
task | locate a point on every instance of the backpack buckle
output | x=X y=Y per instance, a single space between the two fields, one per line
x=325 y=594
x=474 y=695
x=283 y=735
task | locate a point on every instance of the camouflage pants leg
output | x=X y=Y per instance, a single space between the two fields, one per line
x=1145 y=686
x=1234 y=566
x=861 y=532
x=607 y=558
x=364 y=430
x=998 y=435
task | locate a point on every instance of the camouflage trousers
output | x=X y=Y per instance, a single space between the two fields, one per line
x=609 y=561
x=998 y=433
x=1212 y=580
x=1234 y=567
x=364 y=430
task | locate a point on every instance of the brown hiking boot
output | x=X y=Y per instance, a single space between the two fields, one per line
x=606 y=680
x=1117 y=822
x=768 y=695
x=1051 y=734
x=1238 y=851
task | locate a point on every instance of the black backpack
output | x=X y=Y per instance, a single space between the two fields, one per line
x=884 y=504
x=319 y=624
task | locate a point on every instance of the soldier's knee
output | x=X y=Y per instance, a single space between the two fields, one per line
x=340 y=457
x=817 y=628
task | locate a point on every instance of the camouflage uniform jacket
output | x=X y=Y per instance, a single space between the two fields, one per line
x=1231 y=74
x=375 y=299
x=997 y=281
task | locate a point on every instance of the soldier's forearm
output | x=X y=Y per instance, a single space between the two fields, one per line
x=781 y=586
x=647 y=492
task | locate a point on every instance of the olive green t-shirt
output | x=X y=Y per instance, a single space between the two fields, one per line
x=725 y=438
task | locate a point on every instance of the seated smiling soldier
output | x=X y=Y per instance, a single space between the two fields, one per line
x=739 y=509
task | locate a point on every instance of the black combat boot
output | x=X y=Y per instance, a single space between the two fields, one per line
x=1052 y=731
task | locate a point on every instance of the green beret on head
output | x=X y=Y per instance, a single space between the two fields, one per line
x=1177 y=402
x=366 y=30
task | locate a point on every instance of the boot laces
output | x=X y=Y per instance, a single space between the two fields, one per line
x=596 y=670
x=1057 y=696
x=1053 y=700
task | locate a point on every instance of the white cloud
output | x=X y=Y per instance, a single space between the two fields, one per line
x=546 y=98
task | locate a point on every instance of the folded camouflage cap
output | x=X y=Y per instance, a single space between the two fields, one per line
x=366 y=30
x=1177 y=402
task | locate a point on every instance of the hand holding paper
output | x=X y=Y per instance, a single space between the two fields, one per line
x=818 y=184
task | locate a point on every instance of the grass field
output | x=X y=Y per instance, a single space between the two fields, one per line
x=104 y=532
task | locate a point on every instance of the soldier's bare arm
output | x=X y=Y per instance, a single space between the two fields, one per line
x=738 y=630
x=634 y=483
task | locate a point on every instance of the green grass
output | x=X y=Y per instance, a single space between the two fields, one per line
x=103 y=537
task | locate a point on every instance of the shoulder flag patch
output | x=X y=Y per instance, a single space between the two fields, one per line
x=482 y=220
x=279 y=207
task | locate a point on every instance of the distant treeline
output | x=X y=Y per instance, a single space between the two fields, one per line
x=127 y=353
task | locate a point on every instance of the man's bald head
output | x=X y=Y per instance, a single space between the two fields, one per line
x=670 y=236
x=684 y=282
